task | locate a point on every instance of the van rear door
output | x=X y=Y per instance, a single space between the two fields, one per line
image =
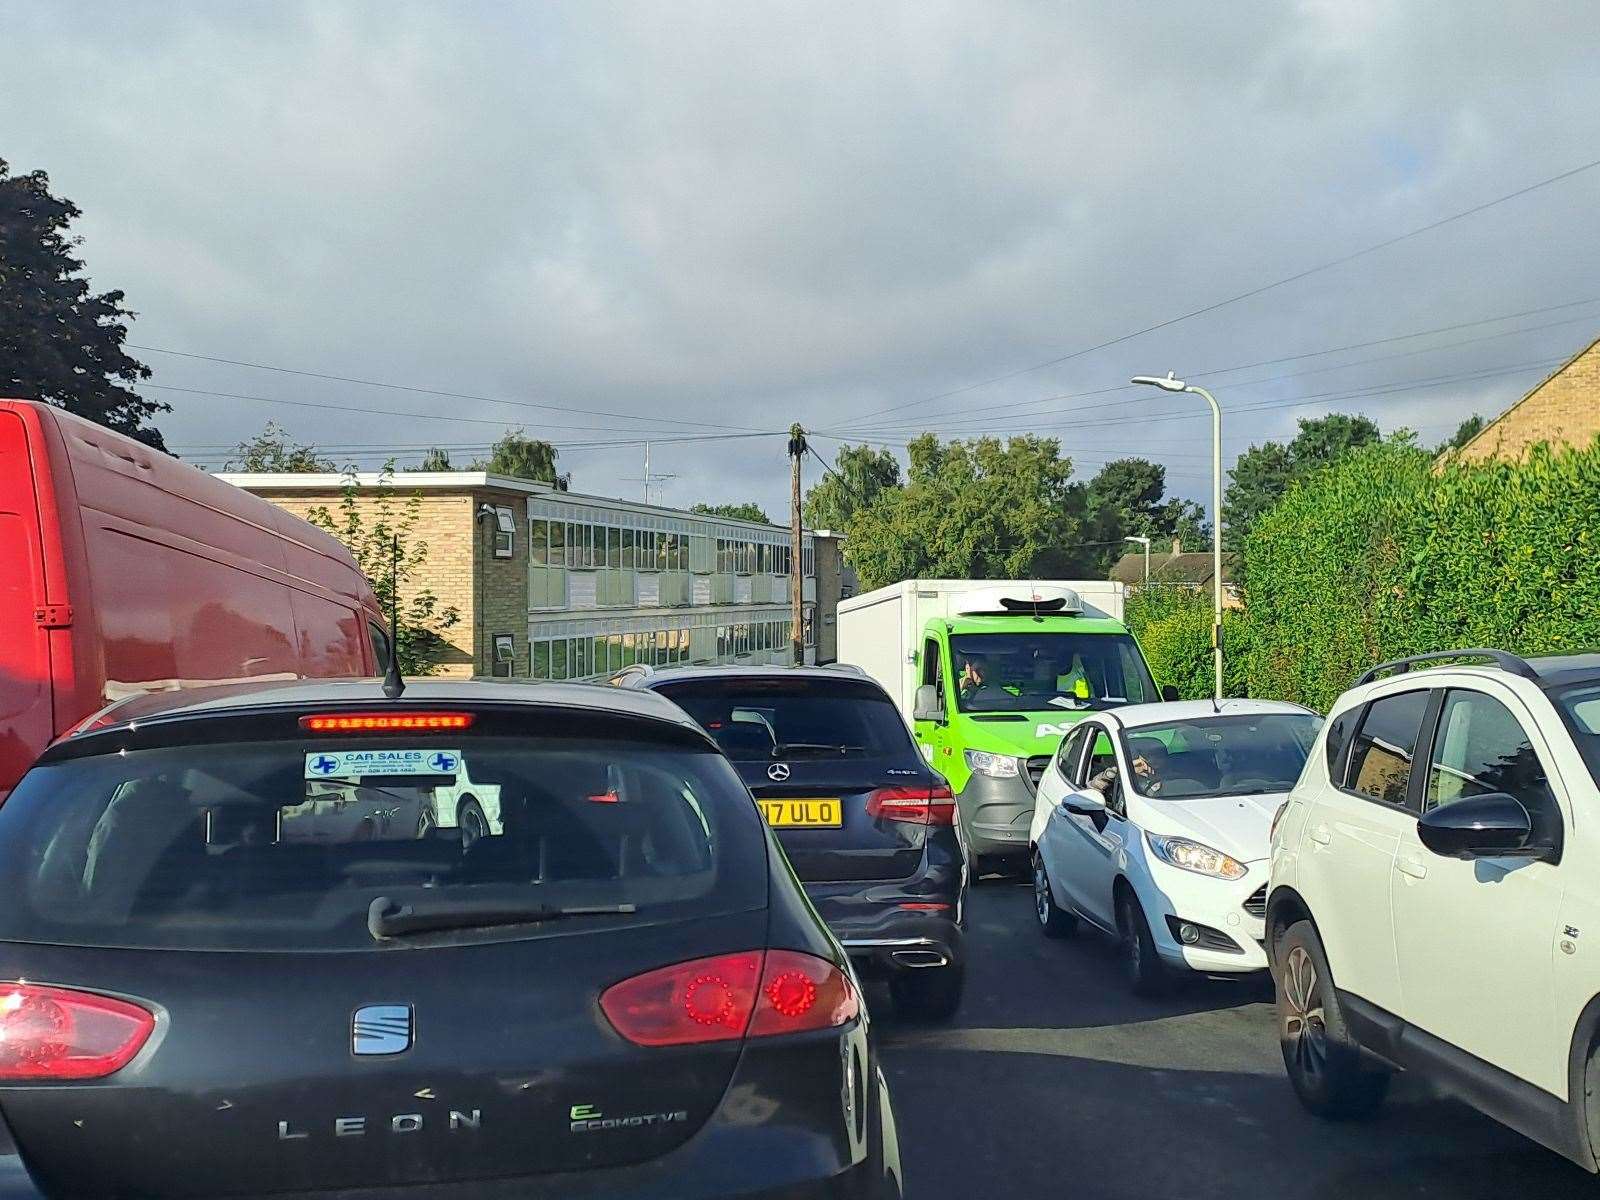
x=25 y=688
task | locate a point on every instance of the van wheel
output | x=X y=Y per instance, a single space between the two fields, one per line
x=928 y=993
x=1147 y=975
x=471 y=822
x=1054 y=921
x=1323 y=1060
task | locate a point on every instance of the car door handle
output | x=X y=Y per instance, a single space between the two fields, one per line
x=1411 y=866
x=1322 y=835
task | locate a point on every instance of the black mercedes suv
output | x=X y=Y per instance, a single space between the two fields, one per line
x=247 y=950
x=869 y=827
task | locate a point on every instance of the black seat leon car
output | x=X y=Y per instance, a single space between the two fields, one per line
x=247 y=950
x=867 y=824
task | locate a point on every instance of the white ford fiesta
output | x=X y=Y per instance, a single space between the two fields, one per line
x=1154 y=822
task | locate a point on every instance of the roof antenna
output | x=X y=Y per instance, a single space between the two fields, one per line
x=393 y=685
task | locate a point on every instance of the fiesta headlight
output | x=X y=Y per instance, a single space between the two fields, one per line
x=995 y=766
x=1188 y=855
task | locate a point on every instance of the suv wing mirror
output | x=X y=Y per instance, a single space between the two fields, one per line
x=1487 y=826
x=1169 y=693
x=927 y=706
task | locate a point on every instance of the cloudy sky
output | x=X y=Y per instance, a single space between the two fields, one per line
x=614 y=222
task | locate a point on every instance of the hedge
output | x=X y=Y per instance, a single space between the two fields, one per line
x=1173 y=625
x=1385 y=554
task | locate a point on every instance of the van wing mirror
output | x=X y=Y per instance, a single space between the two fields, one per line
x=1169 y=693
x=927 y=706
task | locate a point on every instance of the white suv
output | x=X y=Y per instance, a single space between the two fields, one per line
x=1434 y=876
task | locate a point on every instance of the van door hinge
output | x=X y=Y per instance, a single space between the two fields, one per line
x=53 y=616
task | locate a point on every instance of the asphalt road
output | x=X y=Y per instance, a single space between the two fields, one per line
x=1053 y=1080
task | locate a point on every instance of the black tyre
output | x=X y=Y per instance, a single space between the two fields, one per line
x=1323 y=1060
x=1054 y=921
x=1147 y=975
x=928 y=993
x=471 y=821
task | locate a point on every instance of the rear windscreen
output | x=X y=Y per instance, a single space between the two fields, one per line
x=286 y=845
x=759 y=718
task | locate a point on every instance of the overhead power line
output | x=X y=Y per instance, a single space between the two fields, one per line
x=1288 y=358
x=1255 y=291
x=420 y=391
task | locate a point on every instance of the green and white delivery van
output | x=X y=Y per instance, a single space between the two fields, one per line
x=991 y=675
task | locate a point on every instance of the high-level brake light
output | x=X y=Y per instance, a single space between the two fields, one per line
x=917 y=805
x=49 y=1033
x=750 y=994
x=384 y=722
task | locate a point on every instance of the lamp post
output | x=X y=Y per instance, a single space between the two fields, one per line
x=1145 y=542
x=1173 y=384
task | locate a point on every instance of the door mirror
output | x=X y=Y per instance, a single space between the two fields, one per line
x=1485 y=826
x=1084 y=804
x=1169 y=693
x=927 y=707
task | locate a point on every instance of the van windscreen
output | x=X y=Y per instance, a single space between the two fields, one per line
x=291 y=844
x=1030 y=672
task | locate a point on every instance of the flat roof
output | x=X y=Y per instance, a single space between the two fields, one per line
x=462 y=481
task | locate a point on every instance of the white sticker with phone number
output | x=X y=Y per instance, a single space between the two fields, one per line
x=348 y=764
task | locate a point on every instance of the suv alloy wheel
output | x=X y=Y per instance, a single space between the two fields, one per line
x=1322 y=1059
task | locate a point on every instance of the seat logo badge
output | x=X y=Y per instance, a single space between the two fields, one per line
x=381 y=1029
x=778 y=772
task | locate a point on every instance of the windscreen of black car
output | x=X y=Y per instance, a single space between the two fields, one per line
x=1031 y=672
x=1221 y=756
x=756 y=718
x=287 y=844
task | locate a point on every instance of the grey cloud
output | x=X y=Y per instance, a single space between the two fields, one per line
x=755 y=213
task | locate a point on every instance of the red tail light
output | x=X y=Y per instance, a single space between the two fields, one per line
x=731 y=996
x=918 y=805
x=52 y=1033
x=383 y=722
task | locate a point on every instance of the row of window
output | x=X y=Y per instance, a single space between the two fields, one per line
x=583 y=545
x=601 y=654
x=1474 y=745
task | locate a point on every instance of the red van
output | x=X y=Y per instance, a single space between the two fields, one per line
x=124 y=570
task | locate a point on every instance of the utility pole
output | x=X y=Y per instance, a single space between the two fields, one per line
x=797 y=447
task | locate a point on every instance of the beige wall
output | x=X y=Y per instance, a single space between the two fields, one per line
x=502 y=584
x=445 y=524
x=1564 y=410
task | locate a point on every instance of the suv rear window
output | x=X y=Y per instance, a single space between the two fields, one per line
x=287 y=844
x=755 y=718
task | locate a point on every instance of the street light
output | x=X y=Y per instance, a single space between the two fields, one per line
x=1173 y=384
x=1145 y=542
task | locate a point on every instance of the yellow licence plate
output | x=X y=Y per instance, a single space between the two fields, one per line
x=804 y=812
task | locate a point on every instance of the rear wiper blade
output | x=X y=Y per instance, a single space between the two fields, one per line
x=789 y=749
x=387 y=918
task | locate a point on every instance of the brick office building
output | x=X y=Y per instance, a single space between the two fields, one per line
x=557 y=585
x=1564 y=410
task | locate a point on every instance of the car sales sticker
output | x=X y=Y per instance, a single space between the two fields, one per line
x=350 y=764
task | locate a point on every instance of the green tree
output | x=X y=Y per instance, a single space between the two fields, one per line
x=1262 y=474
x=522 y=457
x=380 y=530
x=977 y=509
x=860 y=475
x=1136 y=490
x=1465 y=432
x=435 y=460
x=749 y=511
x=272 y=450
x=59 y=342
